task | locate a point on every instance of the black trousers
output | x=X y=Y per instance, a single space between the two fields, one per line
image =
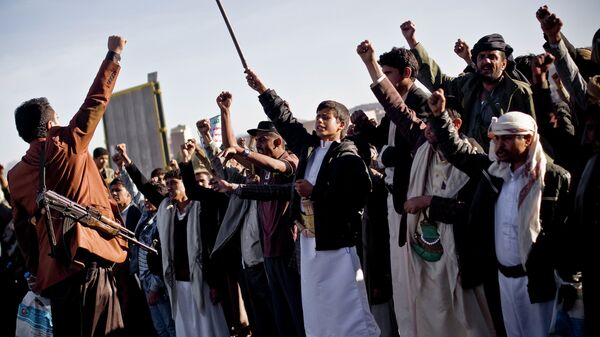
x=257 y=300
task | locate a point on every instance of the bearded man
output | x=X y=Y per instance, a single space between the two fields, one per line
x=488 y=92
x=518 y=212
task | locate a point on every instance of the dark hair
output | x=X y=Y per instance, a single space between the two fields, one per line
x=400 y=58
x=453 y=113
x=160 y=188
x=100 y=151
x=173 y=174
x=523 y=64
x=116 y=181
x=157 y=172
x=32 y=117
x=453 y=107
x=340 y=112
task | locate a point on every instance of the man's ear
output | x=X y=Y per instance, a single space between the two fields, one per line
x=277 y=142
x=407 y=72
x=341 y=124
x=457 y=123
x=504 y=63
x=528 y=139
x=50 y=124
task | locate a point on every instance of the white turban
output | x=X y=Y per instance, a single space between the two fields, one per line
x=512 y=123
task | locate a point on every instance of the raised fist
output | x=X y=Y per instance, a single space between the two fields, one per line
x=408 y=30
x=461 y=48
x=437 y=102
x=224 y=100
x=365 y=51
x=116 y=43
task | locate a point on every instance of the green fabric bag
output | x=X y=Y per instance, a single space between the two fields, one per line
x=427 y=245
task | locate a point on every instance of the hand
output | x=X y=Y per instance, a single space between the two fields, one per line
x=550 y=23
x=304 y=188
x=417 y=204
x=122 y=151
x=461 y=48
x=118 y=160
x=173 y=164
x=3 y=180
x=203 y=127
x=366 y=52
x=187 y=149
x=408 y=30
x=224 y=101
x=221 y=185
x=153 y=297
x=116 y=43
x=437 y=102
x=229 y=152
x=253 y=179
x=540 y=65
x=254 y=81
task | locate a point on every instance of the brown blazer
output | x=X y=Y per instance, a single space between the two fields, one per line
x=71 y=172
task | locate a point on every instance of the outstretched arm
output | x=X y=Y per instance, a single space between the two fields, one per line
x=278 y=111
x=459 y=152
x=430 y=73
x=141 y=182
x=85 y=121
x=242 y=155
x=565 y=66
x=461 y=48
x=406 y=120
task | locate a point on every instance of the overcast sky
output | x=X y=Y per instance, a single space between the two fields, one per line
x=305 y=49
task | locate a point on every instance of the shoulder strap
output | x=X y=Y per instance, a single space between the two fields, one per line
x=42 y=202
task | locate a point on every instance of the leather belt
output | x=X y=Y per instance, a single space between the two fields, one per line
x=512 y=271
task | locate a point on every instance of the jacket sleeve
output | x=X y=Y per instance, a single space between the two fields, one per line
x=569 y=74
x=192 y=189
x=144 y=185
x=459 y=152
x=292 y=131
x=448 y=210
x=545 y=111
x=394 y=156
x=138 y=197
x=266 y=192
x=84 y=123
x=430 y=74
x=407 y=123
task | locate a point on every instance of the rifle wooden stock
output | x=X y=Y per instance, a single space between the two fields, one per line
x=90 y=217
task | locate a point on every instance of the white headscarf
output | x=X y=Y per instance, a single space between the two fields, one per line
x=530 y=196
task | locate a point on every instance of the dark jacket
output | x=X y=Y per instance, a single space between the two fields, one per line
x=511 y=94
x=398 y=156
x=342 y=185
x=548 y=252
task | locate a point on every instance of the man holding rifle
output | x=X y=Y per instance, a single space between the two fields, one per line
x=76 y=274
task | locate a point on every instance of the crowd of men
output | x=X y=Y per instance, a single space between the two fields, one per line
x=467 y=211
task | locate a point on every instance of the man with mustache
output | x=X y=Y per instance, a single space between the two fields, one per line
x=486 y=93
x=518 y=212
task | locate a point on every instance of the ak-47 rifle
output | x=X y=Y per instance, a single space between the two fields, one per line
x=91 y=217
